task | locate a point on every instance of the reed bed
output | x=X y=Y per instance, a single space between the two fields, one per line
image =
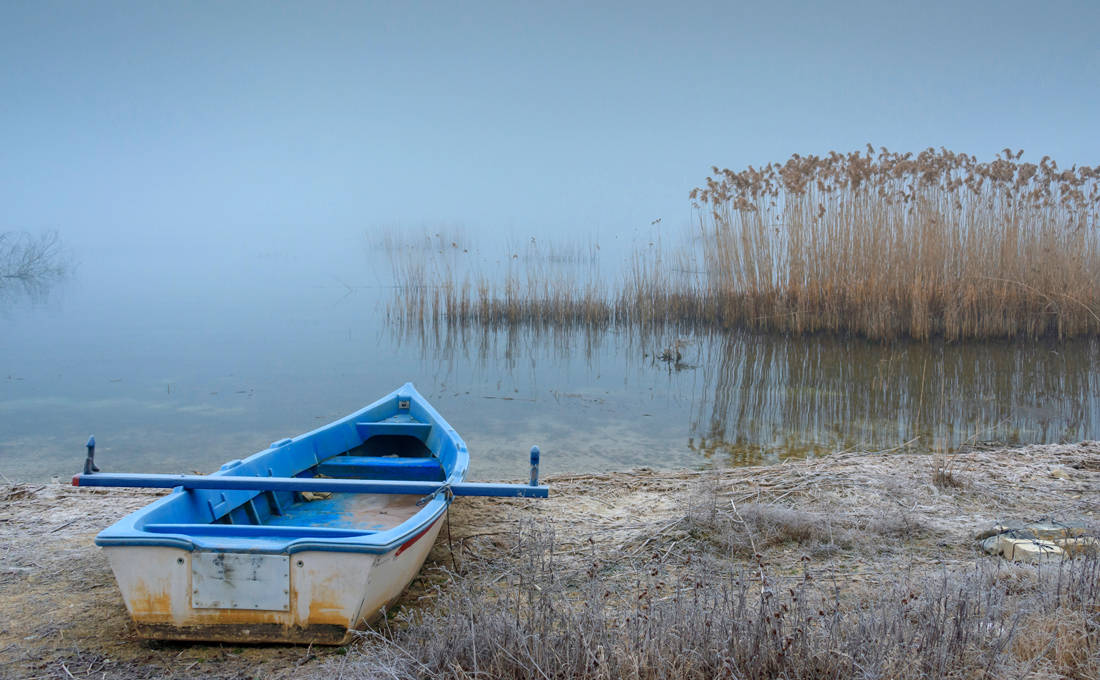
x=882 y=245
x=891 y=244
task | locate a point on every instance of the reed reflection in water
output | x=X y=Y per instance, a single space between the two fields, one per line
x=806 y=395
x=749 y=397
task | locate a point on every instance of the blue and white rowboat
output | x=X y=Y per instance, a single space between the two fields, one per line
x=301 y=542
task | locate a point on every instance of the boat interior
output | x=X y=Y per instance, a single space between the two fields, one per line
x=400 y=447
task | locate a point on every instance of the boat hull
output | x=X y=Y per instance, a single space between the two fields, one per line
x=328 y=594
x=235 y=563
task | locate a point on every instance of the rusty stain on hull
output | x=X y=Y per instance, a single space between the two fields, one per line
x=145 y=604
x=325 y=606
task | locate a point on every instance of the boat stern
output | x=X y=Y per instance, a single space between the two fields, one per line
x=307 y=597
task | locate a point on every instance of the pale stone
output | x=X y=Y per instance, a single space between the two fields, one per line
x=1051 y=531
x=992 y=545
x=1029 y=551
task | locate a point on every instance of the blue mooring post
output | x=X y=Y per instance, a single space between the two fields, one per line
x=534 y=466
x=89 y=462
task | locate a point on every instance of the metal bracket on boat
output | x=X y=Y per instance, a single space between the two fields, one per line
x=89 y=462
x=446 y=490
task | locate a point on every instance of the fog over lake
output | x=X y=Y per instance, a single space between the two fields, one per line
x=182 y=370
x=223 y=179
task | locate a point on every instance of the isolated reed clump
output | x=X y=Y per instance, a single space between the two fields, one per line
x=537 y=286
x=893 y=245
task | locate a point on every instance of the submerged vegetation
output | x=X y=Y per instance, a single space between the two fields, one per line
x=879 y=245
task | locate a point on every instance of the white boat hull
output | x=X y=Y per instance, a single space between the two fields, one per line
x=326 y=594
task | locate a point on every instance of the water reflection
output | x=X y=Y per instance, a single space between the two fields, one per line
x=807 y=395
x=175 y=378
x=741 y=397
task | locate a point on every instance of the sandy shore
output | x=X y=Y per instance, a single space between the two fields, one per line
x=870 y=515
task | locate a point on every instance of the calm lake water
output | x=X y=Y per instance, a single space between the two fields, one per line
x=178 y=367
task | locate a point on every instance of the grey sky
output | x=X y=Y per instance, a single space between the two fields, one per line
x=179 y=123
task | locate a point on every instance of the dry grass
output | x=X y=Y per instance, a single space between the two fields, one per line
x=712 y=619
x=743 y=531
x=853 y=565
x=882 y=246
x=867 y=539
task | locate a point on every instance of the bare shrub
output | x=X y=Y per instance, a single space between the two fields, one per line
x=26 y=258
x=29 y=265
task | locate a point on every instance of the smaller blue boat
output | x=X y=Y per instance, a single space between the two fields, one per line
x=301 y=542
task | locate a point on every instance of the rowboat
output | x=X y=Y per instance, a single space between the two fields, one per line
x=301 y=542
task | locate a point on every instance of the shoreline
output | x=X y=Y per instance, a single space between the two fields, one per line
x=860 y=519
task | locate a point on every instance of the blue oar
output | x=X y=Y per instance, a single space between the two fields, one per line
x=243 y=483
x=93 y=477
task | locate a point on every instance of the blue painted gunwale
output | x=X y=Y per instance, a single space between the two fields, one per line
x=288 y=458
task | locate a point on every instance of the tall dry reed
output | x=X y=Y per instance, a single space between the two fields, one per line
x=886 y=245
x=881 y=246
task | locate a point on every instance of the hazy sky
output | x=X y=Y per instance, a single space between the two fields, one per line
x=188 y=123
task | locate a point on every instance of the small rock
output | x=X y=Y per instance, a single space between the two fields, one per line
x=1042 y=541
x=1029 y=551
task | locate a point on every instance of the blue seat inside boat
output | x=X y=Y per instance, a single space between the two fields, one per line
x=389 y=451
x=420 y=469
